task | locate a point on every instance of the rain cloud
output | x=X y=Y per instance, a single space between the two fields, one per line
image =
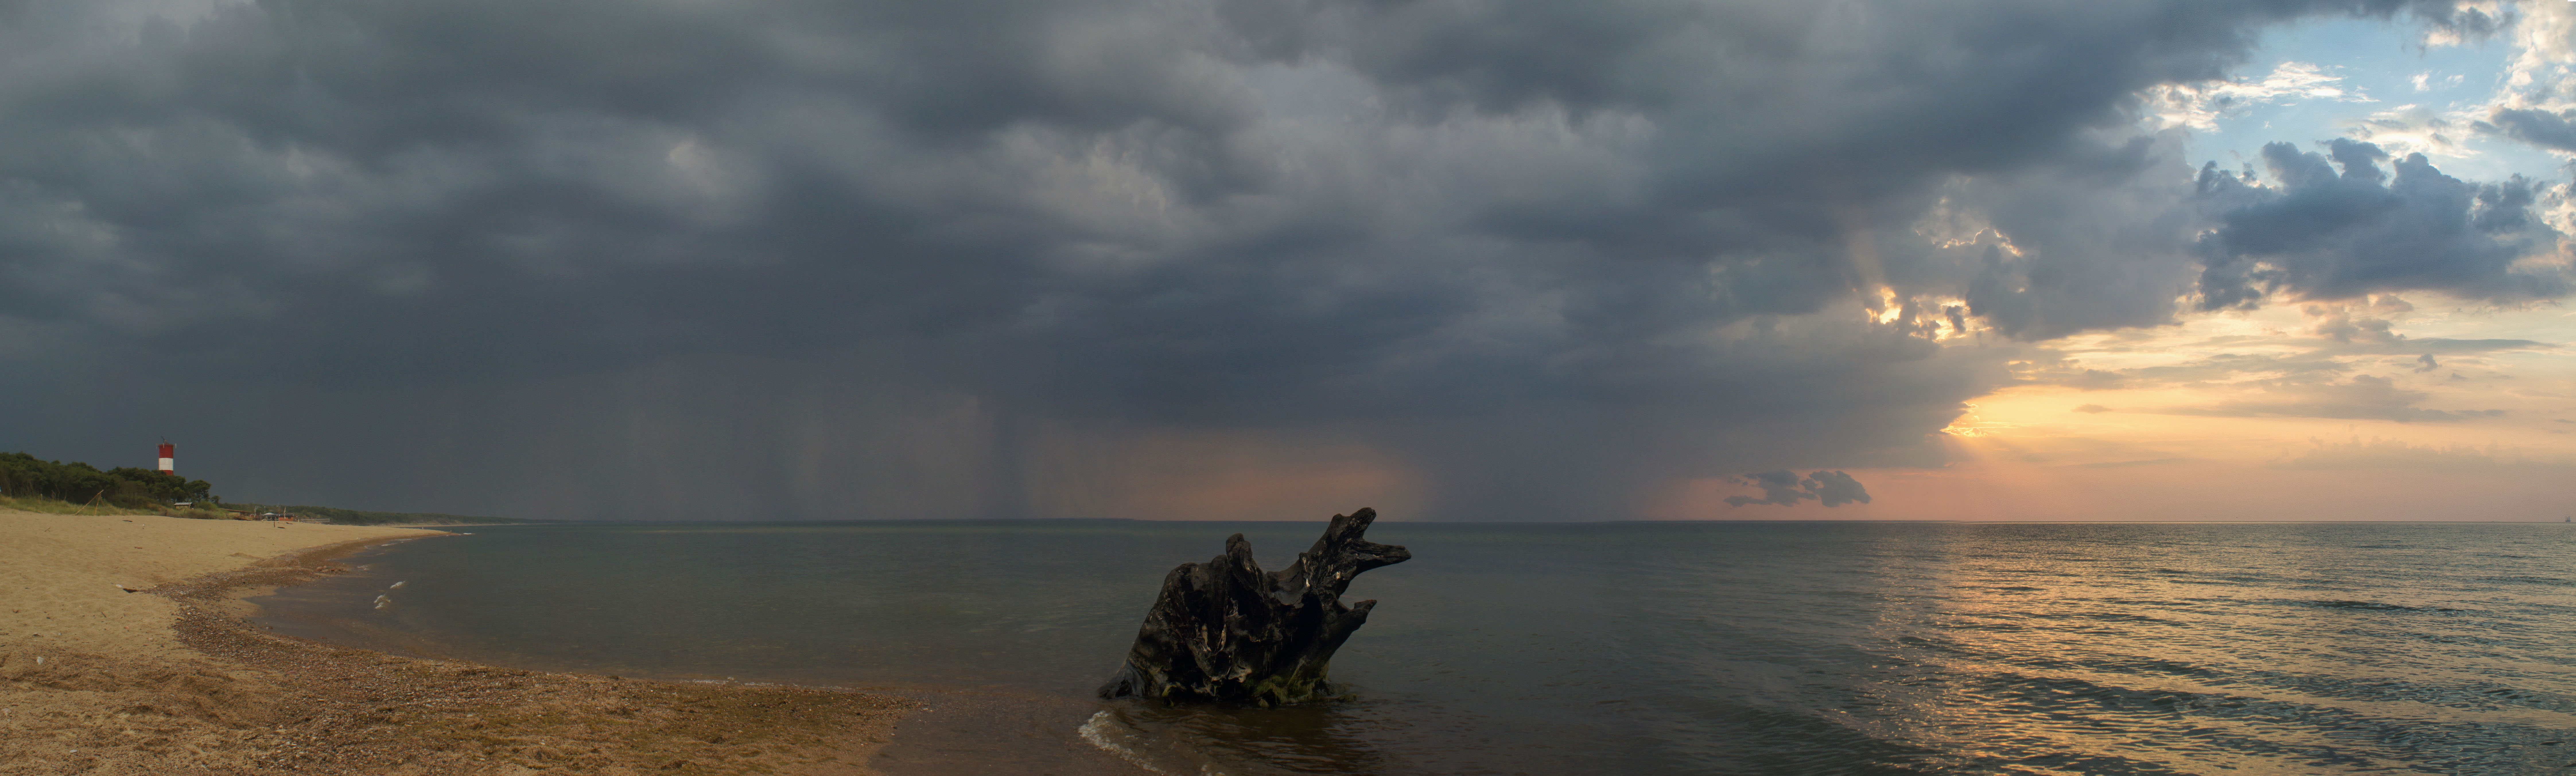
x=1508 y=260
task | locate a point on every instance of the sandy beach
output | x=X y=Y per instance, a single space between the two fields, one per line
x=123 y=651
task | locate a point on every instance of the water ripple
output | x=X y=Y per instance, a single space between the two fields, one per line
x=1619 y=648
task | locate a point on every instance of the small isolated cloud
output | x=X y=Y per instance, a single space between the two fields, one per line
x=2066 y=374
x=2127 y=464
x=2091 y=409
x=1785 y=488
x=2339 y=324
x=2399 y=345
x=2200 y=106
x=2093 y=380
x=2425 y=82
x=2365 y=397
x=2365 y=327
x=2231 y=367
x=2379 y=453
x=2416 y=129
x=2427 y=363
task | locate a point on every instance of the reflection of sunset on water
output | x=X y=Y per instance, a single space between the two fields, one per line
x=2179 y=647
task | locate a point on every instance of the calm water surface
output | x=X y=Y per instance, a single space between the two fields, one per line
x=1644 y=648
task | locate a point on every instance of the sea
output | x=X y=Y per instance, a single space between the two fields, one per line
x=1574 y=648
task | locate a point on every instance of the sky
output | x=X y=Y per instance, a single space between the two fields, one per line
x=1277 y=259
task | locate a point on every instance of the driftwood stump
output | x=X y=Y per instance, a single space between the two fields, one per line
x=1223 y=630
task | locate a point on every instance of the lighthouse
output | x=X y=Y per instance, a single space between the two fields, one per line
x=168 y=452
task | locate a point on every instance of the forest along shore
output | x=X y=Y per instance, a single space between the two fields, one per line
x=170 y=679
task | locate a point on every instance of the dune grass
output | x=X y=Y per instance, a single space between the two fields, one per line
x=102 y=508
x=54 y=507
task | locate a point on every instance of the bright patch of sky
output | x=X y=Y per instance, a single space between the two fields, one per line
x=2364 y=80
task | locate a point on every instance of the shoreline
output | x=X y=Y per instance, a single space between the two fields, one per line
x=174 y=679
x=952 y=728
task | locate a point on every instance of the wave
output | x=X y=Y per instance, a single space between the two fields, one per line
x=1106 y=731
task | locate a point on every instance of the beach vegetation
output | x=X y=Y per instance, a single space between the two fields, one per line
x=24 y=477
x=59 y=507
x=32 y=484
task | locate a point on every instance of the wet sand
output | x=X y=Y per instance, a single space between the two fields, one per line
x=172 y=680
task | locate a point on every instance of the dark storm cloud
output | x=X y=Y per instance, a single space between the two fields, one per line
x=2099 y=244
x=1545 y=255
x=2329 y=234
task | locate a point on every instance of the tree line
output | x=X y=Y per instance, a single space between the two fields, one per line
x=26 y=476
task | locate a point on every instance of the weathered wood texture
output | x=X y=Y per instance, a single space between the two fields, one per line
x=1223 y=630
